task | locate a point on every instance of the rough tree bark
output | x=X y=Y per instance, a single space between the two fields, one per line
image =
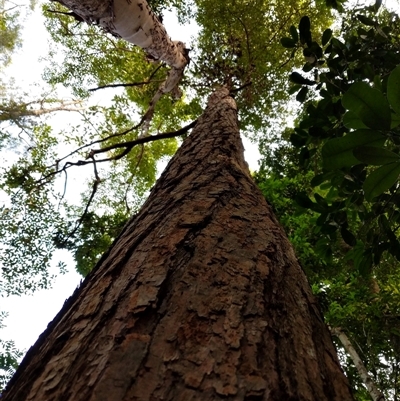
x=200 y=298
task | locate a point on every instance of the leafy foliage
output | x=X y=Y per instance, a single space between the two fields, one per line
x=239 y=44
x=353 y=127
x=9 y=357
x=333 y=181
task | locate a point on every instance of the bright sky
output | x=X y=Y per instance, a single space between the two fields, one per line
x=30 y=315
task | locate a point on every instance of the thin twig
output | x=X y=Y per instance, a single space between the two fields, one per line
x=124 y=85
x=95 y=186
x=241 y=87
x=148 y=81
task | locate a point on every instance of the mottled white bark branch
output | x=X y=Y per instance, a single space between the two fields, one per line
x=358 y=363
x=134 y=21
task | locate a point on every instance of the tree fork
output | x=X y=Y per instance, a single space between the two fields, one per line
x=200 y=298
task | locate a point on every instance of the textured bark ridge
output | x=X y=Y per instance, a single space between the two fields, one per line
x=200 y=298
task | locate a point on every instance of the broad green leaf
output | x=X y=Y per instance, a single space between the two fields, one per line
x=326 y=36
x=395 y=120
x=338 y=152
x=381 y=180
x=369 y=104
x=288 y=43
x=351 y=120
x=393 y=89
x=375 y=156
x=294 y=89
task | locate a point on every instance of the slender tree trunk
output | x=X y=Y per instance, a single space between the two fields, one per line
x=369 y=383
x=200 y=298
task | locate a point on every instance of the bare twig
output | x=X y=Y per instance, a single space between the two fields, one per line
x=129 y=181
x=95 y=186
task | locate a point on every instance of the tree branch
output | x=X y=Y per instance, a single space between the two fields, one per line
x=148 y=81
x=124 y=85
x=130 y=144
x=127 y=145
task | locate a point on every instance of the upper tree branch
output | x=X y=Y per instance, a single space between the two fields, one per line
x=127 y=145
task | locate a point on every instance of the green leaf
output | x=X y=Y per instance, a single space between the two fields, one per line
x=369 y=104
x=365 y=265
x=301 y=96
x=393 y=89
x=294 y=89
x=303 y=200
x=297 y=78
x=395 y=120
x=365 y=20
x=289 y=43
x=307 y=67
x=348 y=237
x=305 y=30
x=338 y=152
x=297 y=140
x=381 y=180
x=326 y=36
x=293 y=33
x=351 y=120
x=375 y=155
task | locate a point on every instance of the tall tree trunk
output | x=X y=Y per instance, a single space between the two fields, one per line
x=200 y=298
